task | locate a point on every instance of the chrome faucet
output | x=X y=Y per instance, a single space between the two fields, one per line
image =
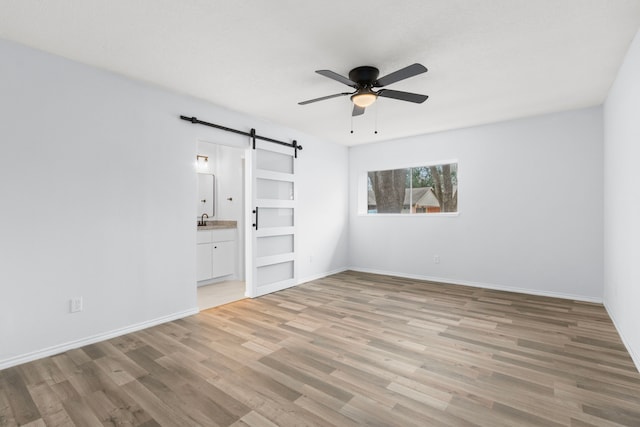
x=202 y=221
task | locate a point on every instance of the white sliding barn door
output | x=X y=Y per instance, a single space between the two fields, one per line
x=273 y=206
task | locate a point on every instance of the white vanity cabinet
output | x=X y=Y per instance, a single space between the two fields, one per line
x=204 y=260
x=216 y=253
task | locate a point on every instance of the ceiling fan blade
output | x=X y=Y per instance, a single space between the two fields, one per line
x=337 y=77
x=403 y=96
x=404 y=73
x=357 y=111
x=323 y=98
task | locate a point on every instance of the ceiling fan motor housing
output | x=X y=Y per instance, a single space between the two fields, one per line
x=365 y=76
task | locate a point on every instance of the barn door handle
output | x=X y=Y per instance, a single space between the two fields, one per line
x=256 y=223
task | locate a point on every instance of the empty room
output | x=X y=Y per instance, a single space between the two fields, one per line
x=409 y=213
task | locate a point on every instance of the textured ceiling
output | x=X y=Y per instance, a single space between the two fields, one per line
x=488 y=60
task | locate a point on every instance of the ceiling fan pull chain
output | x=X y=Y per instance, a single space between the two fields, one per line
x=351 y=124
x=376 y=120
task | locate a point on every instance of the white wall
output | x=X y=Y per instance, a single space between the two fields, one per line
x=322 y=179
x=230 y=183
x=97 y=190
x=622 y=201
x=530 y=203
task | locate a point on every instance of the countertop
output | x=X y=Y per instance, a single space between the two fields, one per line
x=217 y=225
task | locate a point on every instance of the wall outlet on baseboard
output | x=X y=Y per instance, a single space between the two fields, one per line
x=436 y=259
x=75 y=305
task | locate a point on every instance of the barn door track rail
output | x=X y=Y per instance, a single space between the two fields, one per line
x=251 y=134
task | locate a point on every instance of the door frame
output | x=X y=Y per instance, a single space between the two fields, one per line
x=251 y=288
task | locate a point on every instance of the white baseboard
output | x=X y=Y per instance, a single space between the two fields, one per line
x=481 y=285
x=321 y=275
x=275 y=287
x=635 y=357
x=267 y=289
x=61 y=348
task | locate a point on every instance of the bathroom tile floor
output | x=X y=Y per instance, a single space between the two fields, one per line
x=221 y=293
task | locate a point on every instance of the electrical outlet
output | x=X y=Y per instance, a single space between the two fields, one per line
x=75 y=305
x=436 y=259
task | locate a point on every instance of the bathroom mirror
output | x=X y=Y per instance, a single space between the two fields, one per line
x=206 y=194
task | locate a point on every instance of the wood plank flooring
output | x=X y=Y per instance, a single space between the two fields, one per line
x=351 y=349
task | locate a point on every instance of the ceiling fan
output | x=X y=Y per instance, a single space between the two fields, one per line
x=365 y=79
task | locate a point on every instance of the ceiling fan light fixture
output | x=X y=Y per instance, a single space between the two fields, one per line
x=364 y=99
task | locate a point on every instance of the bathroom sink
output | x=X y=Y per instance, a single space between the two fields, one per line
x=213 y=224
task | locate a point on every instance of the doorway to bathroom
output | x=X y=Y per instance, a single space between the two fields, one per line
x=220 y=243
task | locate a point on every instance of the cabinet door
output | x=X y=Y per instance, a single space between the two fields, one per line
x=204 y=269
x=224 y=258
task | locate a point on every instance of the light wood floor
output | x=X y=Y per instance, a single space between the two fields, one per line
x=350 y=349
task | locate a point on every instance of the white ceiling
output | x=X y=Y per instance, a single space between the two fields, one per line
x=488 y=60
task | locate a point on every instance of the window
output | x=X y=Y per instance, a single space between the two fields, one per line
x=418 y=190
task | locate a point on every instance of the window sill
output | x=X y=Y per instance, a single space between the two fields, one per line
x=420 y=215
